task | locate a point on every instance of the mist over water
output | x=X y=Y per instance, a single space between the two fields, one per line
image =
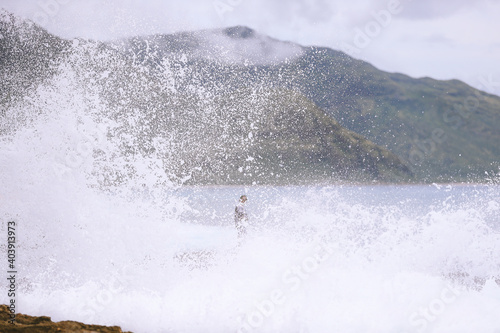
x=108 y=233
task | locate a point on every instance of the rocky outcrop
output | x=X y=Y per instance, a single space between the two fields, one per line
x=24 y=323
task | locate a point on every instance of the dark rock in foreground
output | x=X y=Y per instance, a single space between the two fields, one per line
x=43 y=324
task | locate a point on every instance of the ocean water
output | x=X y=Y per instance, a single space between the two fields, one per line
x=106 y=235
x=316 y=259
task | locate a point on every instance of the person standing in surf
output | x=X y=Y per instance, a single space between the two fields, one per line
x=241 y=217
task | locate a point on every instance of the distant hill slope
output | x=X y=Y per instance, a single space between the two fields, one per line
x=207 y=124
x=28 y=55
x=443 y=130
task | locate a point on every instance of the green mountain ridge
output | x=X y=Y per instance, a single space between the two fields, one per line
x=203 y=129
x=443 y=130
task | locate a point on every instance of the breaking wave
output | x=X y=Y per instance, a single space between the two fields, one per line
x=109 y=233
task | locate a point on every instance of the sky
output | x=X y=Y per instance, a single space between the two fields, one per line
x=442 y=39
